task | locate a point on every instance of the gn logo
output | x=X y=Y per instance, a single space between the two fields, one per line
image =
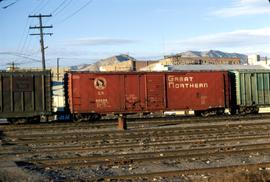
x=100 y=83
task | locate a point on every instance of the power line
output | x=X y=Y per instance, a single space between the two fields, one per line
x=21 y=56
x=45 y=4
x=64 y=7
x=10 y=4
x=37 y=7
x=59 y=6
x=5 y=0
x=22 y=46
x=5 y=7
x=77 y=11
x=25 y=42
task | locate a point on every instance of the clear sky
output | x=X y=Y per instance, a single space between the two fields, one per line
x=86 y=30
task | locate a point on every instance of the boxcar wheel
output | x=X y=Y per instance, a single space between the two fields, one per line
x=97 y=117
x=11 y=120
x=197 y=113
x=233 y=111
x=255 y=110
x=17 y=120
x=220 y=112
x=77 y=118
x=205 y=114
x=94 y=117
x=43 y=119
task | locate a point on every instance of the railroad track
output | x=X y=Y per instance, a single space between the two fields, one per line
x=122 y=136
x=124 y=159
x=157 y=144
x=71 y=149
x=160 y=142
x=17 y=131
x=173 y=157
x=210 y=170
x=132 y=122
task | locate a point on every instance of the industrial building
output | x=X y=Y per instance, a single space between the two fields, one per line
x=130 y=65
x=259 y=60
x=179 y=60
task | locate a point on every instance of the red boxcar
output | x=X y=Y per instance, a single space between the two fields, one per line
x=133 y=92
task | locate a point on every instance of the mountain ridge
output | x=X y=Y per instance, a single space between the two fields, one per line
x=107 y=61
x=124 y=57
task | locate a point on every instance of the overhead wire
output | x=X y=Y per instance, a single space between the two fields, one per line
x=59 y=6
x=76 y=12
x=10 y=4
x=26 y=36
x=43 y=6
x=25 y=32
x=38 y=7
x=27 y=41
x=63 y=8
x=20 y=55
x=27 y=47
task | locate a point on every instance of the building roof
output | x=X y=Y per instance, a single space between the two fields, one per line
x=215 y=67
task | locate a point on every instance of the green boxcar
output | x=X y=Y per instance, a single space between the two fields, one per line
x=25 y=94
x=251 y=88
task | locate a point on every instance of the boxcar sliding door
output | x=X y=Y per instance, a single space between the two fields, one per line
x=134 y=93
x=155 y=89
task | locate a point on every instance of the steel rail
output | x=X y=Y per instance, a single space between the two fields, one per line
x=124 y=159
x=139 y=121
x=152 y=133
x=211 y=170
x=119 y=146
x=119 y=132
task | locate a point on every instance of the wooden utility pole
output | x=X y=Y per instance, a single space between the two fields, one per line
x=58 y=69
x=41 y=34
x=12 y=66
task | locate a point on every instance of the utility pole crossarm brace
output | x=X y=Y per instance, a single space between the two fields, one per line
x=37 y=16
x=36 y=27
x=43 y=34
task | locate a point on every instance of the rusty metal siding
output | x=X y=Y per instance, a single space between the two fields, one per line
x=105 y=93
x=133 y=93
x=95 y=93
x=147 y=91
x=155 y=92
x=25 y=94
x=197 y=90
